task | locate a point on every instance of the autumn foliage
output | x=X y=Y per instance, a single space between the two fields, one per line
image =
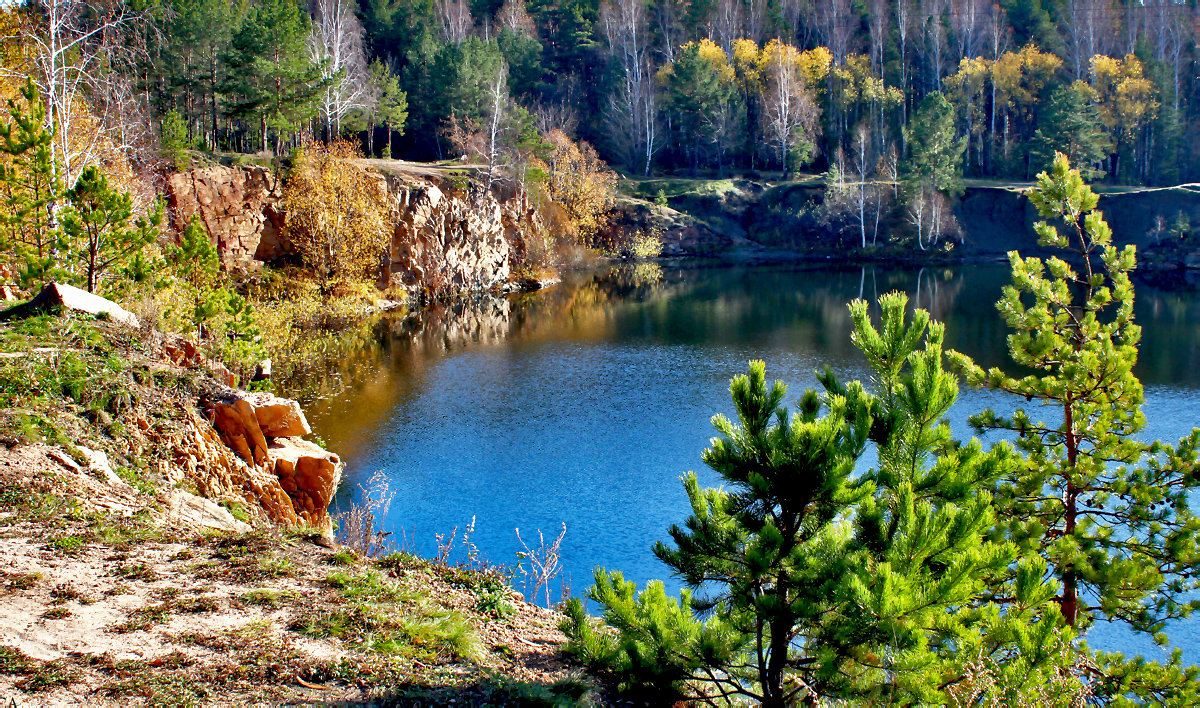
x=337 y=212
x=579 y=183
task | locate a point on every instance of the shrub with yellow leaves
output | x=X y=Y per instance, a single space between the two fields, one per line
x=579 y=182
x=338 y=215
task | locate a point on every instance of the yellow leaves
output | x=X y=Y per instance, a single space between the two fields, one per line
x=859 y=84
x=711 y=52
x=747 y=66
x=579 y=182
x=1021 y=76
x=813 y=65
x=1126 y=99
x=337 y=212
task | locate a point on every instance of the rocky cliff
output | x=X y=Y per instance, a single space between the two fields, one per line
x=237 y=205
x=996 y=220
x=445 y=239
x=745 y=217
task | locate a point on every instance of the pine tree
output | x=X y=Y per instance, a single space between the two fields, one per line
x=276 y=83
x=29 y=188
x=828 y=585
x=1108 y=514
x=915 y=596
x=99 y=235
x=934 y=155
x=772 y=548
x=175 y=141
x=391 y=106
x=1070 y=123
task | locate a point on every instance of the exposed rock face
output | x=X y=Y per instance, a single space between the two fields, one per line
x=309 y=475
x=238 y=206
x=259 y=457
x=446 y=243
x=443 y=241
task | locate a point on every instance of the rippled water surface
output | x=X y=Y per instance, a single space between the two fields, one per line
x=584 y=404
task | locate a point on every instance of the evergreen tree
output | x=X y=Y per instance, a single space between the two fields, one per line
x=1108 y=514
x=913 y=599
x=699 y=86
x=772 y=548
x=175 y=141
x=934 y=154
x=827 y=585
x=1070 y=123
x=98 y=233
x=29 y=187
x=391 y=105
x=276 y=83
x=193 y=64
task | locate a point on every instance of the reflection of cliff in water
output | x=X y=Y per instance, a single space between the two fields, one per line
x=760 y=310
x=804 y=308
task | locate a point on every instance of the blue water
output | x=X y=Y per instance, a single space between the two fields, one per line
x=584 y=405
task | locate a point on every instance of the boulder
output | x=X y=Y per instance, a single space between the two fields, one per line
x=199 y=514
x=246 y=420
x=239 y=428
x=182 y=352
x=221 y=373
x=310 y=475
x=207 y=460
x=70 y=297
x=278 y=417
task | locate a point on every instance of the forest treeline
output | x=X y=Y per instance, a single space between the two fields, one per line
x=672 y=85
x=893 y=100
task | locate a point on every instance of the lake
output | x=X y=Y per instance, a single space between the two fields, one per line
x=583 y=404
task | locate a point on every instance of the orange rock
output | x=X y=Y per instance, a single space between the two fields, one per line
x=310 y=475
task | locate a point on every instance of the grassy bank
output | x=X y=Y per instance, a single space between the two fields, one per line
x=113 y=594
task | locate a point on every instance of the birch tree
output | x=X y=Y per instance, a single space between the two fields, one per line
x=336 y=45
x=456 y=20
x=789 y=113
x=633 y=112
x=73 y=48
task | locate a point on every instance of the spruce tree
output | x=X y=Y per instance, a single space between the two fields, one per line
x=1108 y=514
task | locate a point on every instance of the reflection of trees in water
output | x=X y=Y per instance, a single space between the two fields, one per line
x=316 y=364
x=1170 y=321
x=803 y=305
x=362 y=375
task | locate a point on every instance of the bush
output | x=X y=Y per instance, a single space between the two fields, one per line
x=337 y=212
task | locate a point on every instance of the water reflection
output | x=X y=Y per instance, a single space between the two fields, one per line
x=584 y=403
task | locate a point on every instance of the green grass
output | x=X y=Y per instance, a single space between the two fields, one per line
x=143 y=618
x=13 y=582
x=427 y=633
x=136 y=571
x=267 y=597
x=13 y=661
x=237 y=510
x=70 y=545
x=364 y=586
x=50 y=675
x=343 y=557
